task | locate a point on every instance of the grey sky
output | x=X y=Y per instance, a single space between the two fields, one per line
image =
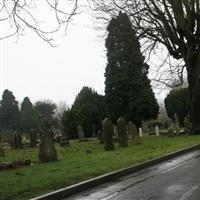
x=30 y=67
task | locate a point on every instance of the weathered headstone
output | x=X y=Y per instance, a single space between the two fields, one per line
x=100 y=137
x=108 y=130
x=33 y=138
x=187 y=124
x=93 y=131
x=64 y=137
x=115 y=134
x=140 y=132
x=47 y=149
x=157 y=131
x=81 y=134
x=134 y=133
x=17 y=140
x=122 y=132
x=64 y=142
x=2 y=153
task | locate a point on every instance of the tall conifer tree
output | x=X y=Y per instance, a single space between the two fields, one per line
x=9 y=111
x=29 y=118
x=128 y=90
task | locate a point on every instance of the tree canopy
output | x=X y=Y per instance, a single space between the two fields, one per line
x=29 y=120
x=173 y=24
x=46 y=111
x=9 y=111
x=177 y=102
x=17 y=16
x=128 y=91
x=89 y=110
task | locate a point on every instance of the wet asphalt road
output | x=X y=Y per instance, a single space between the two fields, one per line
x=175 y=179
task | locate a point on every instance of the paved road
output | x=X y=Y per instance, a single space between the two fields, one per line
x=176 y=179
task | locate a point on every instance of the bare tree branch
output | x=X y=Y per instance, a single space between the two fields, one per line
x=18 y=15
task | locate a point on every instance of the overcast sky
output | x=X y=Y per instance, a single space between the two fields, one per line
x=30 y=67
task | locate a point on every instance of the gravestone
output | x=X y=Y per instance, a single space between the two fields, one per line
x=100 y=137
x=47 y=149
x=81 y=134
x=33 y=138
x=187 y=124
x=93 y=131
x=17 y=140
x=134 y=133
x=140 y=132
x=64 y=137
x=108 y=131
x=64 y=142
x=2 y=153
x=157 y=131
x=122 y=132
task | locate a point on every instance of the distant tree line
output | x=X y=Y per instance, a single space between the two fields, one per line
x=26 y=117
x=88 y=111
x=177 y=103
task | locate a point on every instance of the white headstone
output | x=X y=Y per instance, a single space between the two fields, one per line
x=140 y=132
x=157 y=131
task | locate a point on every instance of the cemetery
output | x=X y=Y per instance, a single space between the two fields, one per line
x=149 y=46
x=31 y=173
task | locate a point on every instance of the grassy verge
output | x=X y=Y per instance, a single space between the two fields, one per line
x=74 y=165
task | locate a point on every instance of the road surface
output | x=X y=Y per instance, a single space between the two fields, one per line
x=175 y=179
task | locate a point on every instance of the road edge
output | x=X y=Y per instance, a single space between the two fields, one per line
x=80 y=187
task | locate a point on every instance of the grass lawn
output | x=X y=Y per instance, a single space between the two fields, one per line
x=74 y=165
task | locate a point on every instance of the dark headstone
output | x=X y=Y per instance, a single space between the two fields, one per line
x=33 y=138
x=47 y=149
x=108 y=131
x=122 y=132
x=134 y=133
x=17 y=140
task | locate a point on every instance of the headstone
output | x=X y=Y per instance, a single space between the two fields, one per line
x=108 y=131
x=33 y=138
x=17 y=140
x=81 y=134
x=93 y=131
x=115 y=134
x=134 y=133
x=157 y=131
x=187 y=124
x=100 y=137
x=47 y=149
x=64 y=142
x=122 y=132
x=140 y=132
x=2 y=153
x=64 y=137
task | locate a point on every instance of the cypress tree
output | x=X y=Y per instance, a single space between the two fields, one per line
x=128 y=90
x=177 y=101
x=89 y=110
x=9 y=111
x=29 y=120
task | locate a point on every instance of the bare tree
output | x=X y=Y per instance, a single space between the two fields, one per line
x=44 y=17
x=173 y=24
x=60 y=110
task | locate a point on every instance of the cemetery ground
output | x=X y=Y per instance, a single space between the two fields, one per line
x=75 y=164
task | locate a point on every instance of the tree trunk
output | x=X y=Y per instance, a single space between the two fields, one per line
x=193 y=69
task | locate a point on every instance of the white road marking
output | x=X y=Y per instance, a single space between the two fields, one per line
x=110 y=196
